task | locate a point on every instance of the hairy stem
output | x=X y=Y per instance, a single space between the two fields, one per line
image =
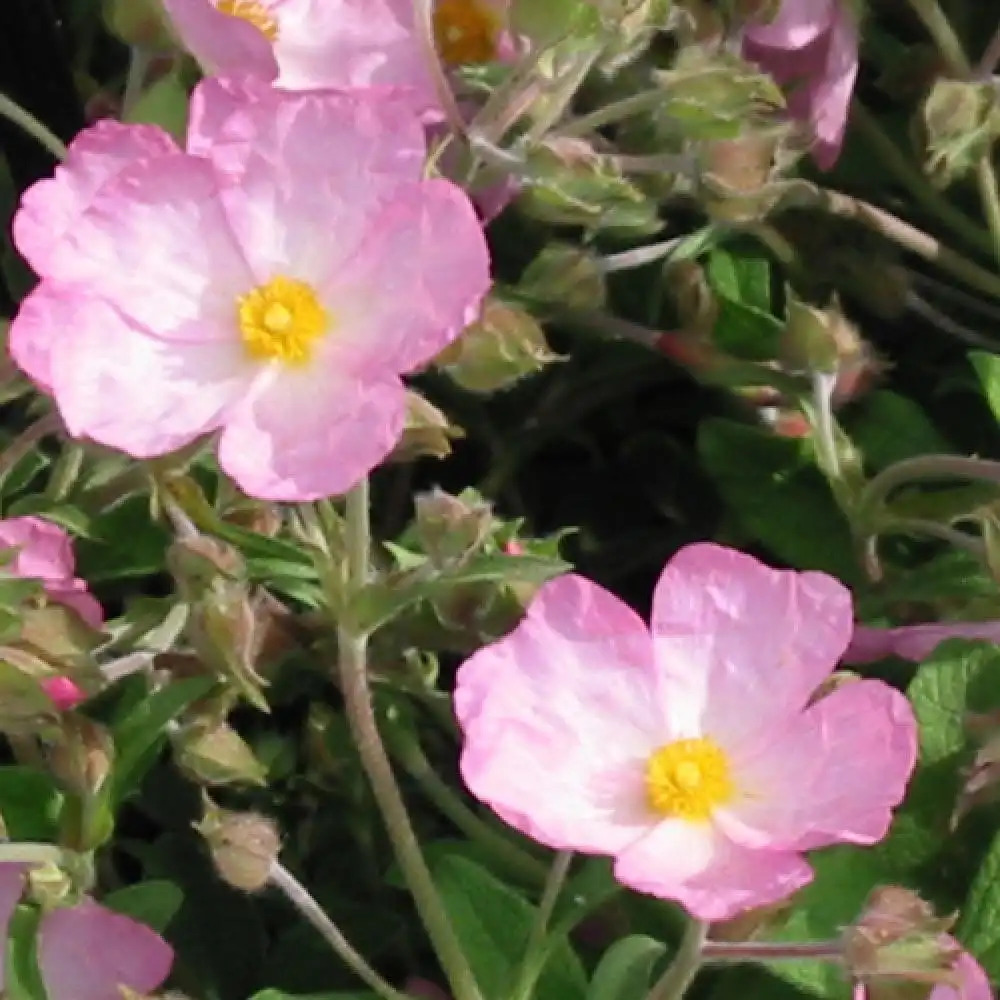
x=674 y=983
x=353 y=670
x=297 y=894
x=986 y=179
x=28 y=123
x=771 y=951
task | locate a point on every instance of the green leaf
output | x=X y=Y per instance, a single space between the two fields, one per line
x=625 y=969
x=23 y=981
x=778 y=496
x=153 y=903
x=140 y=735
x=29 y=804
x=889 y=428
x=383 y=601
x=281 y=995
x=987 y=367
x=979 y=928
x=743 y=277
x=745 y=331
x=493 y=924
x=165 y=103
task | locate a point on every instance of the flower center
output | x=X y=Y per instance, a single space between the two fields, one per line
x=465 y=31
x=281 y=321
x=688 y=779
x=253 y=12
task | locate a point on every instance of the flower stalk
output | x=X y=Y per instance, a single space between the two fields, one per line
x=353 y=673
x=674 y=983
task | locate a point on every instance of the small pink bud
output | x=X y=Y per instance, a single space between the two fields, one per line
x=63 y=693
x=513 y=548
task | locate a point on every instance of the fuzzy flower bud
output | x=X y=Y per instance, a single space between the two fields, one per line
x=216 y=755
x=451 y=528
x=244 y=846
x=426 y=433
x=567 y=276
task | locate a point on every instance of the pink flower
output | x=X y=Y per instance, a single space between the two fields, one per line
x=811 y=46
x=913 y=642
x=338 y=44
x=45 y=553
x=87 y=952
x=973 y=983
x=270 y=283
x=692 y=754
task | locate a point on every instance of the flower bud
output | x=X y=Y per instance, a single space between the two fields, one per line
x=960 y=122
x=566 y=276
x=427 y=432
x=817 y=340
x=451 y=528
x=50 y=886
x=196 y=563
x=215 y=754
x=64 y=693
x=897 y=937
x=82 y=756
x=244 y=846
x=504 y=346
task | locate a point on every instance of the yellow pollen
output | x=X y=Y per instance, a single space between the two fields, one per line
x=465 y=32
x=281 y=321
x=253 y=12
x=688 y=779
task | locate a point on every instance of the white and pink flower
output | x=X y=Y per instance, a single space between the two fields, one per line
x=268 y=284
x=691 y=752
x=339 y=44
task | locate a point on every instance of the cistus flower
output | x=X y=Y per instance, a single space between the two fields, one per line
x=87 y=952
x=339 y=44
x=271 y=284
x=690 y=751
x=44 y=552
x=810 y=47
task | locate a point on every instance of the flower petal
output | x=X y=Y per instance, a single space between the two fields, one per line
x=304 y=435
x=417 y=282
x=709 y=875
x=50 y=207
x=354 y=44
x=11 y=885
x=559 y=719
x=304 y=173
x=830 y=94
x=744 y=643
x=88 y=953
x=120 y=387
x=221 y=43
x=913 y=642
x=155 y=243
x=796 y=24
x=834 y=775
x=46 y=550
x=36 y=329
x=975 y=984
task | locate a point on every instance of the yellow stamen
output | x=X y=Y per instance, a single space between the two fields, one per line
x=688 y=779
x=253 y=12
x=281 y=321
x=466 y=31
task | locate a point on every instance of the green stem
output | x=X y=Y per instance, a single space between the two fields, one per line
x=986 y=179
x=926 y=467
x=920 y=189
x=611 y=113
x=921 y=526
x=441 y=795
x=771 y=951
x=939 y=28
x=535 y=953
x=27 y=441
x=909 y=238
x=26 y=121
x=40 y=854
x=300 y=897
x=353 y=669
x=673 y=984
